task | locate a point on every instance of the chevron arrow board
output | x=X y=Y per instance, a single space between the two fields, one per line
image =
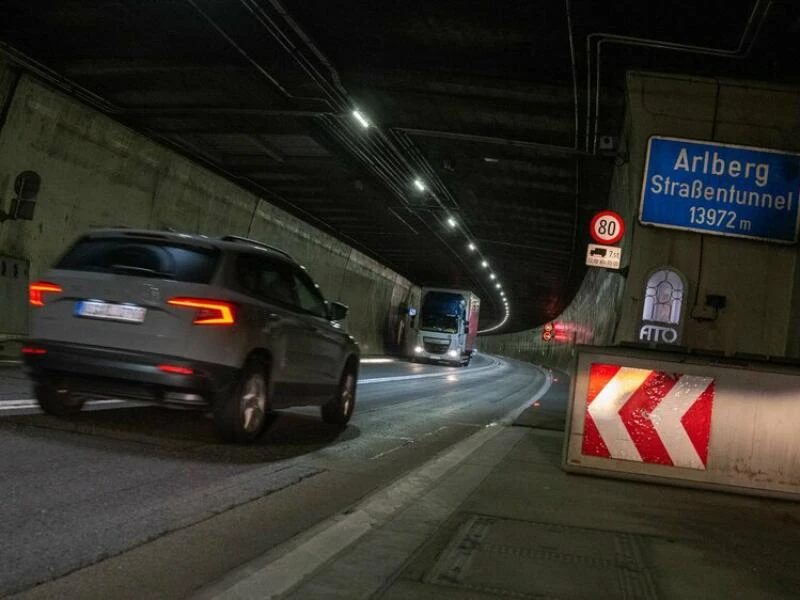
x=648 y=416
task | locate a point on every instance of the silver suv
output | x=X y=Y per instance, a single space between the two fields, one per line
x=228 y=325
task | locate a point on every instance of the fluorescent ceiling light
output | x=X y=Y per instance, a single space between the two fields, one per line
x=420 y=186
x=360 y=118
x=451 y=221
x=484 y=264
x=472 y=247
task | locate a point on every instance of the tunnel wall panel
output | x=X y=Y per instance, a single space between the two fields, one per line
x=98 y=173
x=760 y=280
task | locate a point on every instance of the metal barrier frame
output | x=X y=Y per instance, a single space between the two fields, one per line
x=754 y=444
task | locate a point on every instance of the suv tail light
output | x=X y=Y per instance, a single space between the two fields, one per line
x=209 y=312
x=175 y=370
x=38 y=289
x=33 y=350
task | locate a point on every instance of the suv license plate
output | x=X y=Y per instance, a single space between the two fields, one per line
x=95 y=309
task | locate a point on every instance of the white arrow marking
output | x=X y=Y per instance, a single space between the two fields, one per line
x=666 y=418
x=605 y=412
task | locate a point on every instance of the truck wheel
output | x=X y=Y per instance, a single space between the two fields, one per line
x=241 y=417
x=339 y=409
x=56 y=399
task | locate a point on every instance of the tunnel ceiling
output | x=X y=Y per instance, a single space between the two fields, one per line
x=485 y=102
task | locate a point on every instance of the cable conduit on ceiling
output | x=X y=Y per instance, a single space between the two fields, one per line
x=431 y=174
x=103 y=105
x=337 y=81
x=574 y=70
x=270 y=26
x=257 y=65
x=373 y=160
x=435 y=180
x=61 y=82
x=338 y=97
x=469 y=137
x=378 y=167
x=737 y=53
x=313 y=73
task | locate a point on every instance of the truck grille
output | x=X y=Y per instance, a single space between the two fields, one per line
x=436 y=347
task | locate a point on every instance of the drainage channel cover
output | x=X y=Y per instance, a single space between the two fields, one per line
x=523 y=559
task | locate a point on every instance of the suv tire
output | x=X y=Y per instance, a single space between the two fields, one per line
x=242 y=416
x=56 y=400
x=339 y=409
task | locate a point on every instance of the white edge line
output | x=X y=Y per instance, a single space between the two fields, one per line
x=494 y=365
x=337 y=533
x=17 y=404
x=20 y=404
x=372 y=361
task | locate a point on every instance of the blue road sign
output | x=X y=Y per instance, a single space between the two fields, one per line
x=721 y=189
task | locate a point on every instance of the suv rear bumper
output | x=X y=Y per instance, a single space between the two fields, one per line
x=103 y=372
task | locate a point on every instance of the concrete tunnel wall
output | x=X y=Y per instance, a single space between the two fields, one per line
x=98 y=173
x=760 y=280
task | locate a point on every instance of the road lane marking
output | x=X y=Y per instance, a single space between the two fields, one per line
x=493 y=365
x=303 y=556
x=21 y=404
x=407 y=442
x=29 y=403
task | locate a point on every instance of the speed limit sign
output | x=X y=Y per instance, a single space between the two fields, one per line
x=607 y=227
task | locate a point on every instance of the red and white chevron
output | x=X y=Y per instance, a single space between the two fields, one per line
x=648 y=416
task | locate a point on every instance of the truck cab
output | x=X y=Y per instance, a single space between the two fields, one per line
x=447 y=326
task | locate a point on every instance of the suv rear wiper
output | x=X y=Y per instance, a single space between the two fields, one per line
x=142 y=271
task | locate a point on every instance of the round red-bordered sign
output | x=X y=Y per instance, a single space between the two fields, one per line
x=607 y=227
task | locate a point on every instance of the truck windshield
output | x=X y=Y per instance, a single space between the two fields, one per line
x=443 y=323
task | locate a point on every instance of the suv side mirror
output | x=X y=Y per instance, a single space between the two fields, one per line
x=337 y=311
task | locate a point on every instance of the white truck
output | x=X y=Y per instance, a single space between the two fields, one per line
x=446 y=327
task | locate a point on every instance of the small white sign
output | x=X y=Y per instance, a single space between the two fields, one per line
x=603 y=256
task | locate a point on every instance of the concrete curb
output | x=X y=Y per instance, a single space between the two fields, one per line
x=292 y=565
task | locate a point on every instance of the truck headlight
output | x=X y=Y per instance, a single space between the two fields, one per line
x=418 y=349
x=452 y=353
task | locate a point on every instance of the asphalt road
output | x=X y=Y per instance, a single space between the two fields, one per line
x=135 y=501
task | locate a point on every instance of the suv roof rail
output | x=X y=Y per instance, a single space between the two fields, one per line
x=239 y=238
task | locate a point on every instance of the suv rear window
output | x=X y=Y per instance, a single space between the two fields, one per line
x=142 y=258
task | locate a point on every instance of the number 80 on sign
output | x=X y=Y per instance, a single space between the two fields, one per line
x=607 y=227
